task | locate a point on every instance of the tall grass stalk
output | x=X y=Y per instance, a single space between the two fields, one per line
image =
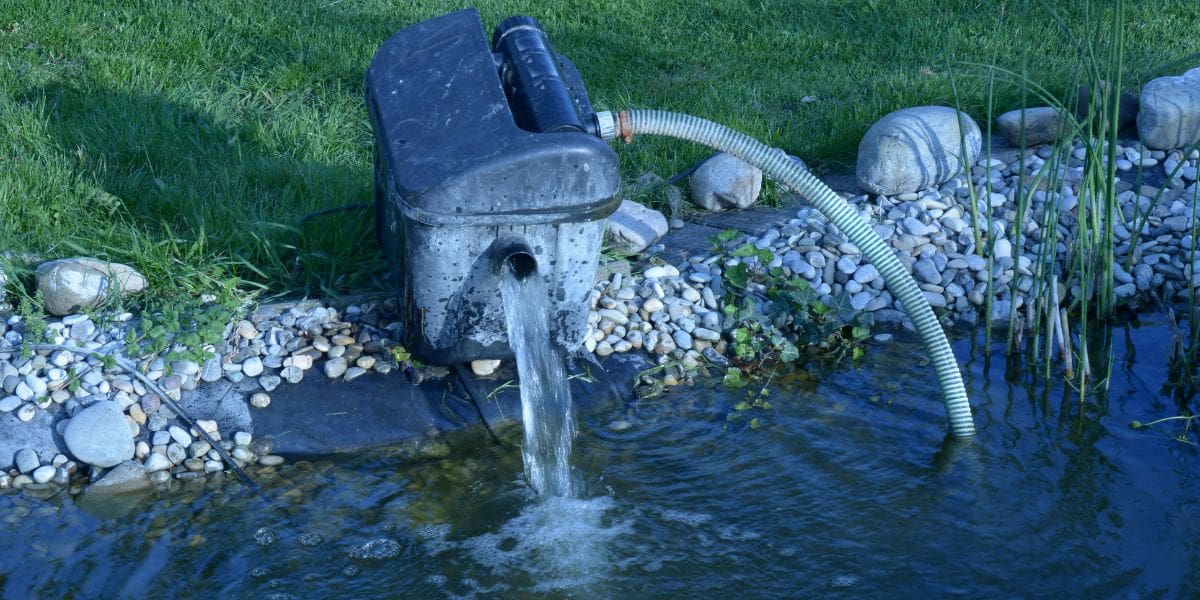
x=1088 y=266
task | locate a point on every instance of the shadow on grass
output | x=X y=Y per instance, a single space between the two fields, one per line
x=186 y=176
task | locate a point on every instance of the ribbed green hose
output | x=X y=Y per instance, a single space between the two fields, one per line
x=777 y=165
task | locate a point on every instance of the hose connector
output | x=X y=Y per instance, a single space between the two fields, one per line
x=606 y=125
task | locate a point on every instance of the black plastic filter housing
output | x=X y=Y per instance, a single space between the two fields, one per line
x=459 y=184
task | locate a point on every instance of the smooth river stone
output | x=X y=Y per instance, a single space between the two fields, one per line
x=99 y=435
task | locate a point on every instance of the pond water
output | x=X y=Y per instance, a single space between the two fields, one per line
x=848 y=488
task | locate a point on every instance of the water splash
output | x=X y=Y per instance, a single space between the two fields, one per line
x=546 y=409
x=561 y=543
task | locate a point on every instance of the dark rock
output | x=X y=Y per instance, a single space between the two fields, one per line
x=1127 y=111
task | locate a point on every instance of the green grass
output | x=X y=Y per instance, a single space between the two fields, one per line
x=189 y=138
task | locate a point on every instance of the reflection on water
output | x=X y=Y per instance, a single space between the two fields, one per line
x=849 y=489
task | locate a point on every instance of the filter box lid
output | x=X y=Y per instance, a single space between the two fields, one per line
x=451 y=148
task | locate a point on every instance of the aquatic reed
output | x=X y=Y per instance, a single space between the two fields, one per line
x=1074 y=241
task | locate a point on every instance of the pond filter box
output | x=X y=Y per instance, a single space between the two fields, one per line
x=464 y=178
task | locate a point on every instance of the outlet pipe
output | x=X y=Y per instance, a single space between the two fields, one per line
x=514 y=254
x=778 y=166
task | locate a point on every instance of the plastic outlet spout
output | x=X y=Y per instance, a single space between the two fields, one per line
x=514 y=254
x=776 y=164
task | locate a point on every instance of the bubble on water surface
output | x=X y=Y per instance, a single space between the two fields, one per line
x=309 y=539
x=434 y=538
x=264 y=536
x=350 y=571
x=377 y=549
x=259 y=572
x=438 y=580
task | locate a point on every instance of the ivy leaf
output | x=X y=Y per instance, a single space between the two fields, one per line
x=741 y=406
x=788 y=352
x=727 y=236
x=748 y=311
x=841 y=307
x=860 y=333
x=741 y=335
x=755 y=423
x=738 y=276
x=730 y=311
x=765 y=256
x=744 y=250
x=733 y=378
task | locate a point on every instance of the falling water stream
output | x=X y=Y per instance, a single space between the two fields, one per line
x=545 y=394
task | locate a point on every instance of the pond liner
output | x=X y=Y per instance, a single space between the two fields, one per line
x=322 y=417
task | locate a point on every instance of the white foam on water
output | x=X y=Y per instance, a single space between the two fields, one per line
x=309 y=539
x=376 y=549
x=844 y=581
x=433 y=538
x=731 y=533
x=561 y=543
x=687 y=518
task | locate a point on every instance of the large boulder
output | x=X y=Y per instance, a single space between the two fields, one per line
x=915 y=148
x=1042 y=125
x=1170 y=111
x=99 y=435
x=71 y=284
x=634 y=227
x=725 y=181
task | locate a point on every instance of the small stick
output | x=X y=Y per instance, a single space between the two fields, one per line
x=1087 y=369
x=1068 y=360
x=170 y=402
x=1056 y=315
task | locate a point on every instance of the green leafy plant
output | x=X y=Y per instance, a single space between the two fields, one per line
x=402 y=356
x=33 y=316
x=183 y=329
x=770 y=316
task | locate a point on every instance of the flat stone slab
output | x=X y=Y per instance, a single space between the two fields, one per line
x=320 y=416
x=37 y=435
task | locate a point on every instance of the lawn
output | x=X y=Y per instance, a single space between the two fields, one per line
x=190 y=138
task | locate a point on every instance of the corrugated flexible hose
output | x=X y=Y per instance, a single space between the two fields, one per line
x=776 y=164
